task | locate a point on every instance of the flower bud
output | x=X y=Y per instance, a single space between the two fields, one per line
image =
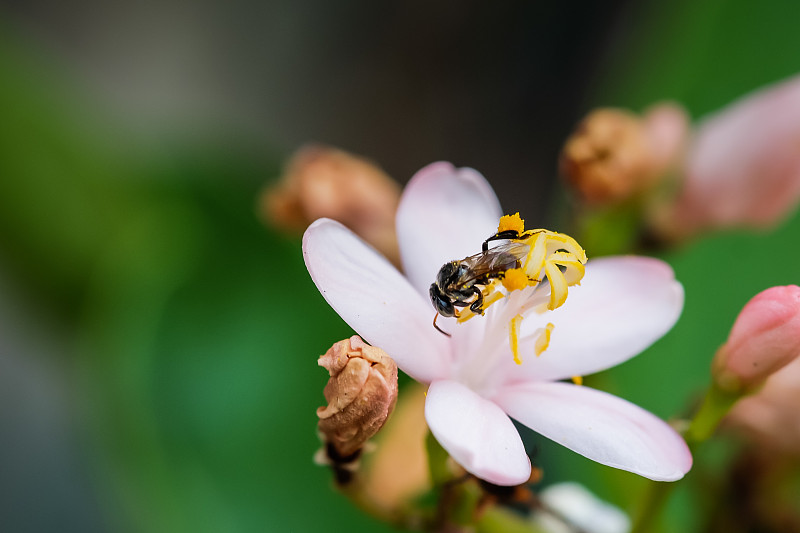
x=615 y=154
x=764 y=339
x=361 y=394
x=324 y=182
x=743 y=166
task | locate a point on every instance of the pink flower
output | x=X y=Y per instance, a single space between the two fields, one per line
x=743 y=166
x=623 y=305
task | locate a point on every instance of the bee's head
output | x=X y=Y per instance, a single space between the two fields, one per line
x=442 y=303
x=448 y=274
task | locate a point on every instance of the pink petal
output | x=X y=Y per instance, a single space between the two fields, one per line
x=744 y=166
x=623 y=305
x=600 y=426
x=444 y=214
x=375 y=299
x=476 y=433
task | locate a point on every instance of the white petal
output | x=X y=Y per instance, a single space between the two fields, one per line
x=476 y=433
x=444 y=214
x=600 y=426
x=583 y=509
x=375 y=299
x=623 y=305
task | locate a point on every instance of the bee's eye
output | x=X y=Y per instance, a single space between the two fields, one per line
x=445 y=307
x=440 y=302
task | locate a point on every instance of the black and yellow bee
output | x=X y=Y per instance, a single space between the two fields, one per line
x=461 y=283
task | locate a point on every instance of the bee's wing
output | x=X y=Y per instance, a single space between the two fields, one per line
x=496 y=260
x=514 y=248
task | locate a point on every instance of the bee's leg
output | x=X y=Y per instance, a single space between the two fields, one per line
x=507 y=234
x=529 y=233
x=477 y=306
x=437 y=327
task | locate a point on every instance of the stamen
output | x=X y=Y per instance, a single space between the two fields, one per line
x=534 y=262
x=513 y=337
x=549 y=251
x=558 y=285
x=544 y=339
x=577 y=380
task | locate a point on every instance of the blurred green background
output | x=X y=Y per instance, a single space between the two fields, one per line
x=158 y=343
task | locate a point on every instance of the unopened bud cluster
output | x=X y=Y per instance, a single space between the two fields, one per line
x=615 y=154
x=361 y=394
x=323 y=182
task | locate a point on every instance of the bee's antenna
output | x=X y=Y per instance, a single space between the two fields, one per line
x=437 y=327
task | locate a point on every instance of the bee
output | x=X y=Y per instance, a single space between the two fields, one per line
x=461 y=283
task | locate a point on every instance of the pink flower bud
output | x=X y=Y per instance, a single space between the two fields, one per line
x=764 y=339
x=361 y=394
x=743 y=167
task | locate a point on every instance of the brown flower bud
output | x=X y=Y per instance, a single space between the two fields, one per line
x=615 y=154
x=361 y=394
x=324 y=182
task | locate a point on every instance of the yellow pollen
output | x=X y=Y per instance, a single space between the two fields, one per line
x=515 y=279
x=543 y=341
x=577 y=380
x=511 y=222
x=513 y=337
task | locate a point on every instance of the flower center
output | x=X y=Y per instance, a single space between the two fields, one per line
x=542 y=255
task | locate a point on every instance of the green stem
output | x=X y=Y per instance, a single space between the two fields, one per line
x=437 y=461
x=498 y=520
x=715 y=406
x=653 y=501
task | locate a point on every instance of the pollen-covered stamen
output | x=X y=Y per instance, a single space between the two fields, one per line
x=558 y=257
x=513 y=337
x=543 y=340
x=560 y=280
x=551 y=254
